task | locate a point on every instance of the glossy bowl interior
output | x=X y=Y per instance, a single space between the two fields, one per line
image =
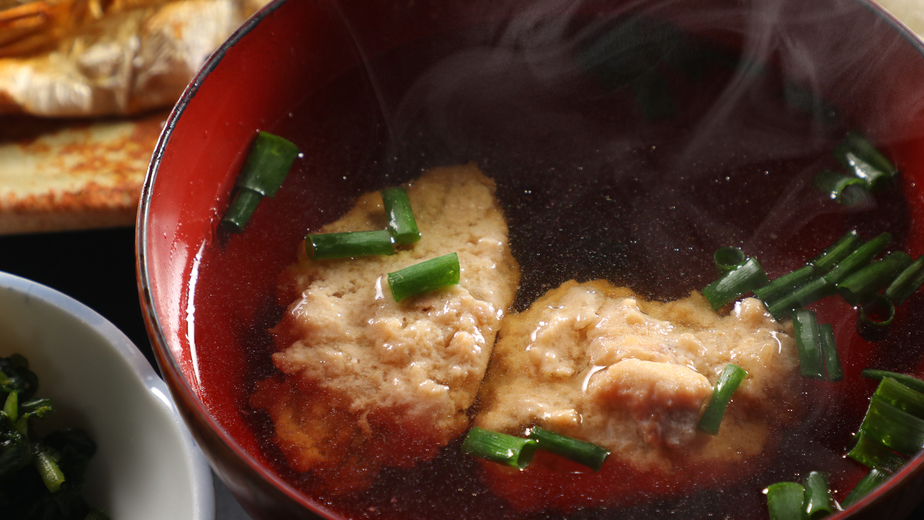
x=147 y=466
x=852 y=54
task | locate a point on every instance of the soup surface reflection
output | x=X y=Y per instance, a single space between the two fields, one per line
x=627 y=151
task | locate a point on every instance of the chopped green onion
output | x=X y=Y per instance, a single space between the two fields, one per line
x=727 y=258
x=582 y=452
x=241 y=209
x=905 y=379
x=874 y=454
x=844 y=189
x=498 y=447
x=873 y=278
x=869 y=482
x=865 y=161
x=785 y=500
x=740 y=280
x=350 y=244
x=401 y=221
x=268 y=162
x=901 y=396
x=807 y=332
x=818 y=501
x=836 y=252
x=426 y=276
x=48 y=469
x=907 y=283
x=785 y=285
x=809 y=293
x=893 y=427
x=858 y=258
x=728 y=382
x=874 y=318
x=833 y=368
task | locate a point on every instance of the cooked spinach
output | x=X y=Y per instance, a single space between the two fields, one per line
x=41 y=478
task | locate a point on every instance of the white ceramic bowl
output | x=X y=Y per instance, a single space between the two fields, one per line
x=147 y=466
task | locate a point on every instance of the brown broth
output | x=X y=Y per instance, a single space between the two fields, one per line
x=592 y=188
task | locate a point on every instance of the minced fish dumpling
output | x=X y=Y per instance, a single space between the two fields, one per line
x=368 y=382
x=601 y=364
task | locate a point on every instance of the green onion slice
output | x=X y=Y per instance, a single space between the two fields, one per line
x=728 y=258
x=268 y=162
x=844 y=189
x=893 y=427
x=728 y=382
x=873 y=278
x=808 y=341
x=865 y=161
x=498 y=447
x=869 y=482
x=785 y=501
x=575 y=450
x=874 y=318
x=906 y=283
x=858 y=258
x=740 y=280
x=426 y=276
x=785 y=285
x=812 y=291
x=350 y=244
x=836 y=252
x=873 y=454
x=833 y=368
x=905 y=379
x=817 y=501
x=901 y=396
x=401 y=221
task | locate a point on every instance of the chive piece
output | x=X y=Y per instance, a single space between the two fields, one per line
x=267 y=164
x=48 y=469
x=869 y=482
x=905 y=379
x=498 y=447
x=785 y=500
x=833 y=368
x=741 y=280
x=874 y=318
x=865 y=161
x=843 y=189
x=582 y=452
x=902 y=397
x=874 y=454
x=350 y=244
x=858 y=258
x=426 y=276
x=401 y=221
x=873 y=278
x=817 y=501
x=728 y=382
x=809 y=293
x=727 y=258
x=785 y=285
x=907 y=282
x=897 y=429
x=241 y=209
x=836 y=252
x=807 y=332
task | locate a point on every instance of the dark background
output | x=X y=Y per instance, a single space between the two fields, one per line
x=95 y=267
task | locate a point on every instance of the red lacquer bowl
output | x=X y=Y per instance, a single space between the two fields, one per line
x=851 y=53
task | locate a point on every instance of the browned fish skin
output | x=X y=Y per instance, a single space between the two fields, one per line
x=369 y=382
